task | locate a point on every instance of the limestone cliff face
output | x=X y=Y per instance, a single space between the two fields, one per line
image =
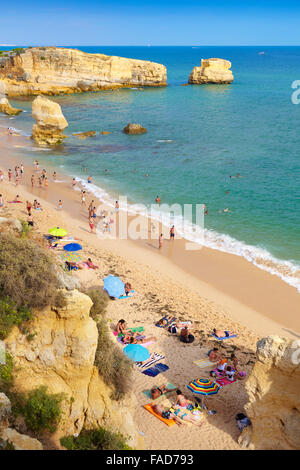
x=54 y=70
x=50 y=122
x=6 y=108
x=212 y=71
x=274 y=396
x=61 y=357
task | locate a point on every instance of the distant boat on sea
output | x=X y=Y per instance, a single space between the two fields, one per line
x=261 y=53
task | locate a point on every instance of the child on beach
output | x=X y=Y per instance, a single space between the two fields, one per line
x=32 y=181
x=73 y=183
x=59 y=206
x=9 y=174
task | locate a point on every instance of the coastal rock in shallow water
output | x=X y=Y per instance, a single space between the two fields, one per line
x=6 y=108
x=51 y=70
x=212 y=71
x=134 y=129
x=274 y=398
x=50 y=122
x=84 y=135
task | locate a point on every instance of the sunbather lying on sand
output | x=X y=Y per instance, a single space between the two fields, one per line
x=164 y=321
x=177 y=415
x=222 y=333
x=161 y=390
x=134 y=340
x=90 y=264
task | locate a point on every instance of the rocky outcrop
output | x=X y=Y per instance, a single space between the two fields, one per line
x=274 y=399
x=51 y=70
x=6 y=108
x=134 y=129
x=212 y=71
x=50 y=122
x=84 y=135
x=10 y=437
x=61 y=357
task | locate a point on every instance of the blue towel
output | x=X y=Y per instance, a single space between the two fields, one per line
x=126 y=296
x=224 y=337
x=154 y=371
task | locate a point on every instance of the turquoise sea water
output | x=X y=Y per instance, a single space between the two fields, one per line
x=197 y=137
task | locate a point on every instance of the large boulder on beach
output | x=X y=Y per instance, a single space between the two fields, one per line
x=133 y=128
x=6 y=108
x=50 y=122
x=212 y=71
x=274 y=398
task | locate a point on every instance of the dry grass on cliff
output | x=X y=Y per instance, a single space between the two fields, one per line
x=110 y=360
x=27 y=273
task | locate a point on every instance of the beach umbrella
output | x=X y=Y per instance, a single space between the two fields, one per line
x=113 y=286
x=58 y=232
x=203 y=387
x=72 y=247
x=71 y=257
x=136 y=352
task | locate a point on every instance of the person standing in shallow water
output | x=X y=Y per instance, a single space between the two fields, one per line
x=160 y=241
x=157 y=200
x=172 y=232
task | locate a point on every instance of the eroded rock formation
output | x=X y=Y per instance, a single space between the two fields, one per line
x=50 y=122
x=51 y=70
x=212 y=71
x=132 y=128
x=84 y=135
x=61 y=357
x=274 y=396
x=6 y=108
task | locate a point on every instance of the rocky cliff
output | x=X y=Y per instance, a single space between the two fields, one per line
x=212 y=71
x=274 y=396
x=50 y=122
x=61 y=357
x=6 y=108
x=51 y=70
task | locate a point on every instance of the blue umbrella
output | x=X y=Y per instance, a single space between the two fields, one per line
x=113 y=286
x=72 y=247
x=136 y=352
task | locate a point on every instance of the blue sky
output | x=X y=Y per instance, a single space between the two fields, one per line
x=158 y=22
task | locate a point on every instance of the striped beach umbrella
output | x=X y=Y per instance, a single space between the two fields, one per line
x=71 y=257
x=203 y=387
x=58 y=232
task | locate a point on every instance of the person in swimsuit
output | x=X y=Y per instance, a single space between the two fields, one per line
x=178 y=418
x=28 y=207
x=89 y=179
x=1 y=200
x=222 y=333
x=30 y=220
x=181 y=399
x=157 y=200
x=32 y=181
x=160 y=241
x=172 y=232
x=9 y=174
x=161 y=390
x=213 y=355
x=91 y=223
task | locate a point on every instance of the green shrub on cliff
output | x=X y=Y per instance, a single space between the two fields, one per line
x=42 y=411
x=95 y=439
x=6 y=372
x=114 y=367
x=10 y=315
x=27 y=273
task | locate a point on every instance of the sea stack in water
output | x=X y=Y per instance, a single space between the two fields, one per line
x=274 y=399
x=6 y=108
x=51 y=70
x=212 y=71
x=50 y=122
x=133 y=128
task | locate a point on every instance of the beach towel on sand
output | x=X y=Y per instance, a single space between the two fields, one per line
x=224 y=381
x=126 y=296
x=171 y=320
x=203 y=363
x=154 y=371
x=119 y=339
x=168 y=422
x=155 y=358
x=148 y=392
x=224 y=337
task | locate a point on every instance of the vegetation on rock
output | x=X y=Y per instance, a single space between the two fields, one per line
x=113 y=365
x=96 y=439
x=41 y=410
x=11 y=315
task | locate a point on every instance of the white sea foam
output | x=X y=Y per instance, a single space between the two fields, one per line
x=260 y=257
x=165 y=140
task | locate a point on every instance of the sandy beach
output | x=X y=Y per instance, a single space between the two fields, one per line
x=209 y=288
